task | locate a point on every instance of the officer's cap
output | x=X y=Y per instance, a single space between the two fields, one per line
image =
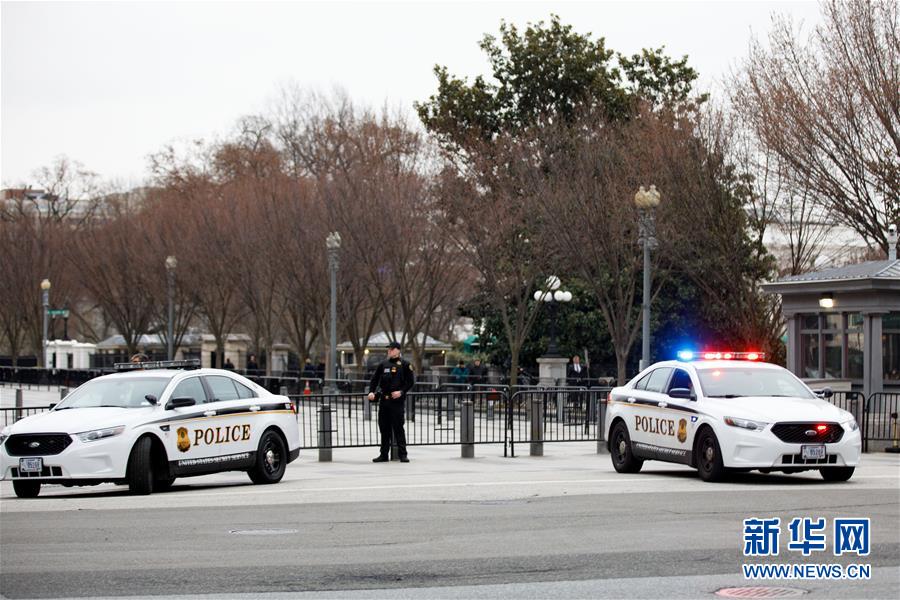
x=393 y=345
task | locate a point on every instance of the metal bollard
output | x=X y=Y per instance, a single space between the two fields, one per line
x=467 y=429
x=19 y=403
x=490 y=410
x=601 y=425
x=537 y=427
x=325 y=433
x=367 y=408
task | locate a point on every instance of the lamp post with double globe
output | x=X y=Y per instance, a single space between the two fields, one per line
x=553 y=296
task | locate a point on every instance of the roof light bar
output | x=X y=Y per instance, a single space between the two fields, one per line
x=686 y=355
x=190 y=363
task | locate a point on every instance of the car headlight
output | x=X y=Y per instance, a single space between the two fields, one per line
x=4 y=433
x=745 y=423
x=99 y=434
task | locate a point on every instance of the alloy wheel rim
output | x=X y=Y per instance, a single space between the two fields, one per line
x=271 y=460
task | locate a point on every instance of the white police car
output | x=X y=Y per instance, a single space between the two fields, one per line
x=147 y=426
x=727 y=410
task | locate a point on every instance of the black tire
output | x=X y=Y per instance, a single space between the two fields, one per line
x=709 y=456
x=271 y=459
x=140 y=468
x=26 y=489
x=163 y=485
x=837 y=473
x=623 y=458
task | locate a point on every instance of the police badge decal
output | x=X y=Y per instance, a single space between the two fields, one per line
x=682 y=430
x=184 y=440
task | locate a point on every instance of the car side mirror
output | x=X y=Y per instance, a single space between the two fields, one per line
x=180 y=403
x=151 y=399
x=824 y=392
x=52 y=405
x=682 y=393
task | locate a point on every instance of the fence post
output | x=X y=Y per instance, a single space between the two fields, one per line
x=325 y=437
x=537 y=426
x=467 y=429
x=63 y=391
x=19 y=404
x=283 y=390
x=601 y=424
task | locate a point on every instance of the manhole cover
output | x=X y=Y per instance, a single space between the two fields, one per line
x=760 y=592
x=262 y=531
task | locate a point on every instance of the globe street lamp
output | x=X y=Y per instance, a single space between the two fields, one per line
x=45 y=302
x=646 y=202
x=553 y=296
x=171 y=265
x=333 y=245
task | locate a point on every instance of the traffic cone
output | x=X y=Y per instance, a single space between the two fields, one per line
x=306 y=390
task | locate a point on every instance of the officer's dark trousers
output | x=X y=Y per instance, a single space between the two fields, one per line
x=390 y=422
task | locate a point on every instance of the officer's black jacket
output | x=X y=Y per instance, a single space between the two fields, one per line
x=392 y=375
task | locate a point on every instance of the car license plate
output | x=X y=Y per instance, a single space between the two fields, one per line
x=31 y=465
x=812 y=452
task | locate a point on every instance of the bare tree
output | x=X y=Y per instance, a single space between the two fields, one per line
x=492 y=214
x=829 y=108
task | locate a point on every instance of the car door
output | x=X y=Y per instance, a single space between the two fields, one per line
x=640 y=405
x=232 y=423
x=182 y=423
x=682 y=415
x=652 y=419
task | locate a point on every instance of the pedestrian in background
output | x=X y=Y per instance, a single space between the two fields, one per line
x=460 y=374
x=392 y=380
x=477 y=373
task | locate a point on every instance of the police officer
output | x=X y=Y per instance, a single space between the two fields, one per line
x=393 y=378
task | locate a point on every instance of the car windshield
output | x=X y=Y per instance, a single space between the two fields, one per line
x=736 y=382
x=123 y=392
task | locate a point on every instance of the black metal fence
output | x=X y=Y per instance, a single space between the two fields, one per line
x=8 y=416
x=434 y=417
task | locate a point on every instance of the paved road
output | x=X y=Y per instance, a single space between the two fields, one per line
x=564 y=525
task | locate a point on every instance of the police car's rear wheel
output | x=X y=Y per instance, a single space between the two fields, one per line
x=709 y=457
x=623 y=459
x=26 y=489
x=271 y=459
x=837 y=473
x=140 y=467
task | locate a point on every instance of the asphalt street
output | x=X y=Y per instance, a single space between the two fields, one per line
x=564 y=525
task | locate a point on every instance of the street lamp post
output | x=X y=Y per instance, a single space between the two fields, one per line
x=333 y=245
x=45 y=302
x=553 y=296
x=646 y=202
x=171 y=265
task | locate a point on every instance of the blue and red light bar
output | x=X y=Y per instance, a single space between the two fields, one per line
x=686 y=355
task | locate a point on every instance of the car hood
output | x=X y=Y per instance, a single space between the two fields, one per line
x=776 y=409
x=76 y=420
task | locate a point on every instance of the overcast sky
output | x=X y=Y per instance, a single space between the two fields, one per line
x=107 y=83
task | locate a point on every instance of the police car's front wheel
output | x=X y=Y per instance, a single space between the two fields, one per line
x=26 y=489
x=140 y=467
x=836 y=473
x=623 y=459
x=709 y=456
x=271 y=459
